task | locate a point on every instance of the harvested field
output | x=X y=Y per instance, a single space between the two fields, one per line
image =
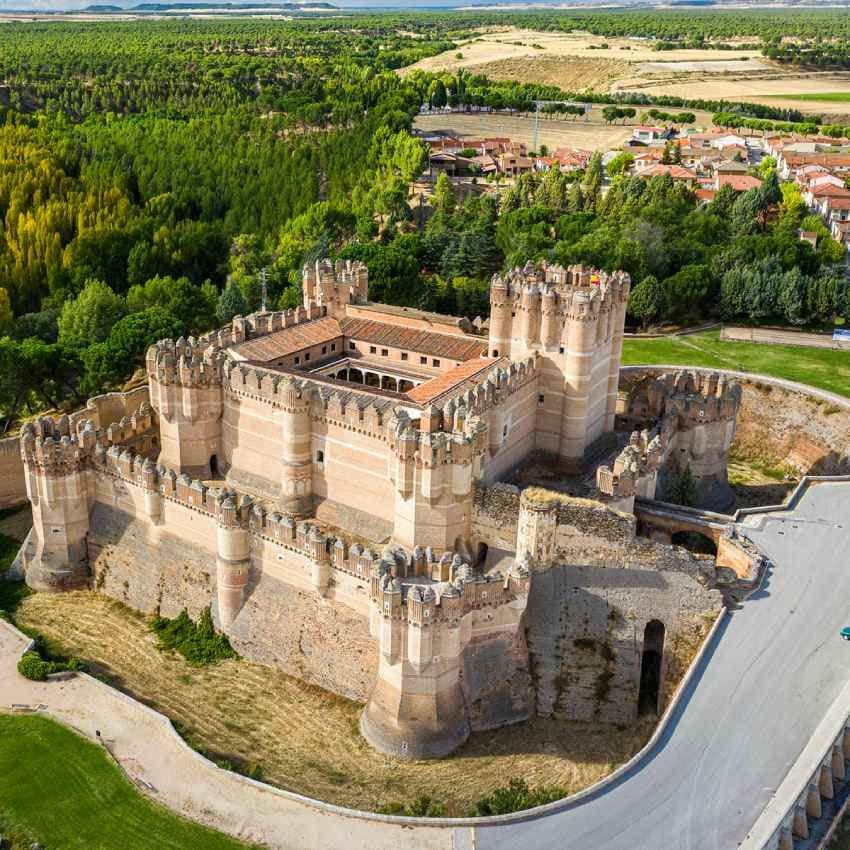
x=589 y=133
x=566 y=73
x=494 y=45
x=305 y=739
x=777 y=88
x=576 y=61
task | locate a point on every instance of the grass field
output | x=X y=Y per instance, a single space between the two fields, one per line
x=826 y=369
x=305 y=739
x=66 y=793
x=825 y=97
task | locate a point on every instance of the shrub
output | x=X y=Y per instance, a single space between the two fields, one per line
x=515 y=797
x=33 y=666
x=423 y=806
x=198 y=643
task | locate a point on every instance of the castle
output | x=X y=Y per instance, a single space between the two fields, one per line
x=343 y=484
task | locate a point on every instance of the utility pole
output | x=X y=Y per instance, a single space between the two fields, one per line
x=265 y=291
x=536 y=123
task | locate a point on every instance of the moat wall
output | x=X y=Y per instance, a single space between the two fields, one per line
x=103 y=410
x=778 y=426
x=319 y=640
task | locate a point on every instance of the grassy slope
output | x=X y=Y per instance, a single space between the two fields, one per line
x=65 y=790
x=825 y=368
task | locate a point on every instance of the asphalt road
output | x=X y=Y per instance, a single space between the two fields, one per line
x=777 y=667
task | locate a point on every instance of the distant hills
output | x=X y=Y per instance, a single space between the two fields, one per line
x=210 y=7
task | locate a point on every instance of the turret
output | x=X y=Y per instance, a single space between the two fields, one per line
x=233 y=561
x=334 y=286
x=297 y=482
x=501 y=308
x=57 y=470
x=186 y=391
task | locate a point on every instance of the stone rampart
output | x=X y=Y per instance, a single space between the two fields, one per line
x=101 y=410
x=779 y=423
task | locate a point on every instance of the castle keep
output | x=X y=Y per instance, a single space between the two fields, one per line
x=351 y=487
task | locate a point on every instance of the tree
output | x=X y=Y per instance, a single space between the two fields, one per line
x=444 y=195
x=90 y=316
x=437 y=94
x=592 y=182
x=647 y=301
x=682 y=489
x=6 y=314
x=231 y=303
x=620 y=164
x=113 y=361
x=194 y=306
x=690 y=290
x=610 y=113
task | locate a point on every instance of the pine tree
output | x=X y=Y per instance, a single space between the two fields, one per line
x=231 y=303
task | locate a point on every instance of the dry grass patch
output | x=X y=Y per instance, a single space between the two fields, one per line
x=306 y=739
x=569 y=74
x=756 y=483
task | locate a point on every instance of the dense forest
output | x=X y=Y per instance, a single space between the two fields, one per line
x=150 y=170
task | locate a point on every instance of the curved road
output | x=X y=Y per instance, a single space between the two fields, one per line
x=775 y=670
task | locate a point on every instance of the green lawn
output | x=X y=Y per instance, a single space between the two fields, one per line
x=825 y=368
x=823 y=97
x=65 y=792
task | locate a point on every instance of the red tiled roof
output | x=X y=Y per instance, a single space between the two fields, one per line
x=830 y=191
x=839 y=203
x=739 y=182
x=827 y=159
x=675 y=171
x=706 y=194
x=465 y=373
x=289 y=340
x=450 y=346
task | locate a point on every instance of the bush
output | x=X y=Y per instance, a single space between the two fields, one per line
x=423 y=806
x=198 y=643
x=515 y=797
x=33 y=666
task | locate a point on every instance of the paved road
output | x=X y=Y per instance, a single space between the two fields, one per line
x=778 y=666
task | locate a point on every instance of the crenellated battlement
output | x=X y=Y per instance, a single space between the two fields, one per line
x=576 y=291
x=447 y=601
x=334 y=285
x=692 y=398
x=635 y=468
x=185 y=363
x=64 y=445
x=693 y=415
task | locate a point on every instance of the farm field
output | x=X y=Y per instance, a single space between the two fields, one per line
x=305 y=739
x=575 y=61
x=826 y=369
x=587 y=134
x=792 y=89
x=65 y=792
x=495 y=44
